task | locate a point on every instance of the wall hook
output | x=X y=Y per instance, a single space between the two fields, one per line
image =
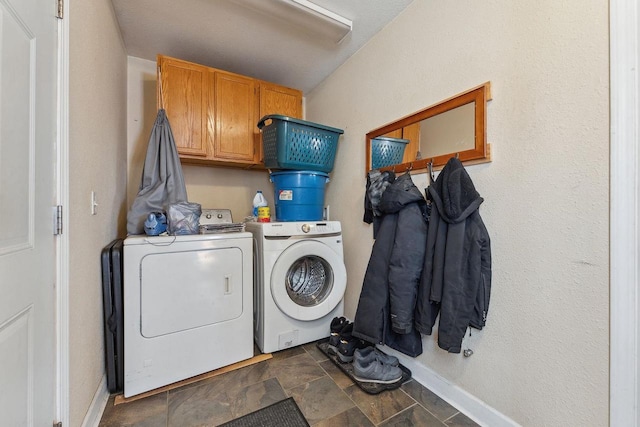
x=468 y=352
x=430 y=168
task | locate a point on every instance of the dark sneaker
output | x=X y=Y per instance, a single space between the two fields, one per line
x=348 y=344
x=366 y=355
x=337 y=325
x=376 y=372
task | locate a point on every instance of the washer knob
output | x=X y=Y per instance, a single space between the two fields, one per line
x=306 y=228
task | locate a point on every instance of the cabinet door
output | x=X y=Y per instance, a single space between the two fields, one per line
x=275 y=99
x=281 y=100
x=183 y=94
x=412 y=133
x=235 y=112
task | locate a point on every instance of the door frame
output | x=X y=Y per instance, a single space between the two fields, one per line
x=624 y=197
x=62 y=240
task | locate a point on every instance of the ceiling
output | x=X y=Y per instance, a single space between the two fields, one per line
x=228 y=35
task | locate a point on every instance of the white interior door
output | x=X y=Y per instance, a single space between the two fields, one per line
x=28 y=81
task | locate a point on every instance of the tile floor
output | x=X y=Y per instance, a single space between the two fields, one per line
x=326 y=396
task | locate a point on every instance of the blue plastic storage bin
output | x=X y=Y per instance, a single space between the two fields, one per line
x=386 y=151
x=290 y=143
x=299 y=195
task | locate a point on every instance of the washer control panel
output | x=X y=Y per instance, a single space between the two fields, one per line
x=301 y=228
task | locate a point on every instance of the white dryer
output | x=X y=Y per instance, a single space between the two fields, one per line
x=299 y=284
x=187 y=306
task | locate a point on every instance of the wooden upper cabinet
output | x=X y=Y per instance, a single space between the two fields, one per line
x=280 y=100
x=183 y=89
x=412 y=133
x=275 y=99
x=214 y=113
x=235 y=117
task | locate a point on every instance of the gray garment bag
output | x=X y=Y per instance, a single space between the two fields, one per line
x=162 y=181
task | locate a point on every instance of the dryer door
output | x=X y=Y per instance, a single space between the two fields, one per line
x=188 y=289
x=308 y=280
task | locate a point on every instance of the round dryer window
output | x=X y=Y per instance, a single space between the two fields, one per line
x=308 y=280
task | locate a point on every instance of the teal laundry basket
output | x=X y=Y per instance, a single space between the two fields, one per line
x=290 y=143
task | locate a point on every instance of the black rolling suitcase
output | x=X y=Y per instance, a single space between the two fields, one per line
x=112 y=277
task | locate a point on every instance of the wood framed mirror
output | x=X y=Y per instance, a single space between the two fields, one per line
x=453 y=127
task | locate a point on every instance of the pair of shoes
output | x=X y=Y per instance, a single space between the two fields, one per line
x=374 y=371
x=349 y=344
x=367 y=354
x=337 y=325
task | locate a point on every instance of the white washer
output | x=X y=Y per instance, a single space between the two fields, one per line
x=187 y=306
x=300 y=280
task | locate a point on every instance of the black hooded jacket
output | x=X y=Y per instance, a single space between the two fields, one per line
x=456 y=279
x=387 y=301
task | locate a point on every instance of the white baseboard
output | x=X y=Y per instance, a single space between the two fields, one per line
x=99 y=402
x=465 y=402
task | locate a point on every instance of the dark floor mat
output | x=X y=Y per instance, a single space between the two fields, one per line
x=347 y=368
x=281 y=414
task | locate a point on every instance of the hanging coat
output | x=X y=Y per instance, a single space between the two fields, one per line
x=162 y=181
x=456 y=277
x=388 y=297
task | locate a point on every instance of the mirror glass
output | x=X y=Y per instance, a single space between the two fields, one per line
x=453 y=127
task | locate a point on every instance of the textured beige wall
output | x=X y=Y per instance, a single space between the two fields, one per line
x=212 y=187
x=543 y=357
x=97 y=159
